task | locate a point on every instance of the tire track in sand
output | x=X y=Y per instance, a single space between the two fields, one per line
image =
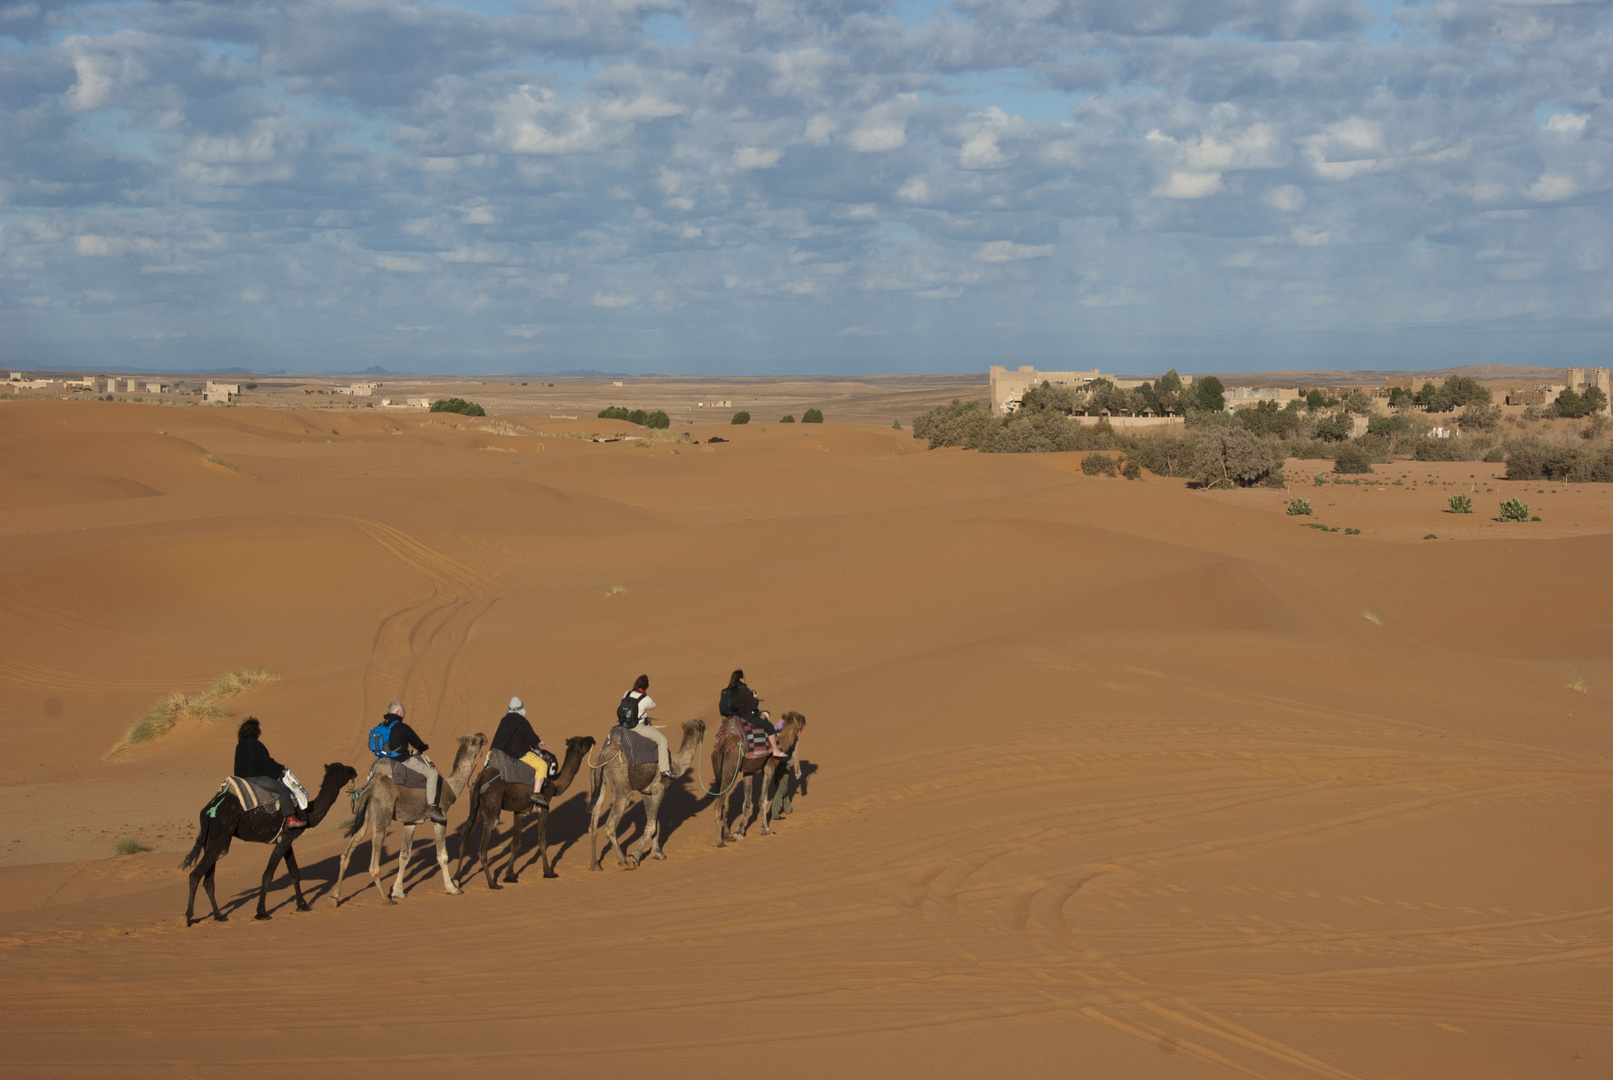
x=415 y=647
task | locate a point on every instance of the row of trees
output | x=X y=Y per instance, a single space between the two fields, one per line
x=1167 y=396
x=656 y=419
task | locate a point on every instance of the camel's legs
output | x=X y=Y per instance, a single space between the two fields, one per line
x=618 y=807
x=441 y=835
x=203 y=874
x=764 y=809
x=543 y=841
x=515 y=848
x=379 y=827
x=652 y=824
x=207 y=883
x=593 y=828
x=470 y=832
x=486 y=851
x=296 y=878
x=341 y=866
x=722 y=802
x=405 y=854
x=263 y=888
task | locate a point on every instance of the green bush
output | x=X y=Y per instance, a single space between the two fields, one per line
x=657 y=419
x=1098 y=465
x=1459 y=391
x=1495 y=454
x=1131 y=470
x=959 y=424
x=1299 y=508
x=1574 y=405
x=1513 y=510
x=458 y=405
x=1231 y=457
x=1461 y=504
x=1267 y=419
x=1353 y=458
x=1431 y=449
x=1162 y=456
x=1388 y=425
x=1357 y=402
x=1531 y=459
x=740 y=418
x=1335 y=427
x=1479 y=417
x=1212 y=394
x=896 y=425
x=812 y=416
x=787 y=419
x=131 y=847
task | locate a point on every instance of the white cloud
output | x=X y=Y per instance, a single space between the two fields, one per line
x=1001 y=251
x=96 y=246
x=1305 y=237
x=1189 y=185
x=612 y=300
x=820 y=129
x=878 y=130
x=1568 y=125
x=525 y=330
x=251 y=296
x=916 y=190
x=402 y=264
x=480 y=215
x=1553 y=187
x=755 y=157
x=1287 y=198
x=939 y=294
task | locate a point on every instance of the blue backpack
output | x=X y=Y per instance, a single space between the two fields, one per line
x=380 y=735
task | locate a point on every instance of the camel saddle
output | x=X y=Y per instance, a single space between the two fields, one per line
x=513 y=770
x=395 y=772
x=635 y=748
x=752 y=737
x=251 y=793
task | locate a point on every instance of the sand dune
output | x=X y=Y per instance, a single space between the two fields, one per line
x=1109 y=778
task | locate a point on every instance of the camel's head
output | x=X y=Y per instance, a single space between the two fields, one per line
x=337 y=774
x=579 y=744
x=469 y=744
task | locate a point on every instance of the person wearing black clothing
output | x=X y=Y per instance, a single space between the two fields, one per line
x=516 y=738
x=409 y=750
x=743 y=703
x=254 y=762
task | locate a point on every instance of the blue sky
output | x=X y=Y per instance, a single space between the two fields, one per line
x=839 y=186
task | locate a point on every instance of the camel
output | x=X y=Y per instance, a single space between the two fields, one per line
x=491 y=795
x=729 y=763
x=264 y=825
x=623 y=780
x=384 y=802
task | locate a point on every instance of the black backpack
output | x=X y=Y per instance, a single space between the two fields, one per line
x=725 y=702
x=627 y=711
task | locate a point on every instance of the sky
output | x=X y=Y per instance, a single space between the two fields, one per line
x=815 y=187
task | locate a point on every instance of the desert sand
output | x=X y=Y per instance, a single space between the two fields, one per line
x=1109 y=778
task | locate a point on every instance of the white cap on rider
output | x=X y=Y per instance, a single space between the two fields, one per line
x=517 y=706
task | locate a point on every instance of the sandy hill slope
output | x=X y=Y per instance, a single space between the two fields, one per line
x=1105 y=778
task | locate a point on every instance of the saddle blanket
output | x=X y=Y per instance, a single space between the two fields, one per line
x=634 y=747
x=395 y=772
x=250 y=793
x=753 y=739
x=512 y=770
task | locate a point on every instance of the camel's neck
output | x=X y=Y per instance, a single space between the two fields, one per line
x=788 y=734
x=457 y=779
x=683 y=757
x=568 y=770
x=321 y=803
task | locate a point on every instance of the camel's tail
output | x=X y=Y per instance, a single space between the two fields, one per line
x=201 y=845
x=360 y=808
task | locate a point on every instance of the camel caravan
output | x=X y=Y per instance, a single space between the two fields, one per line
x=263 y=802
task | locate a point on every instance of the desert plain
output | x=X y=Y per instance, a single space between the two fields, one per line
x=1106 y=778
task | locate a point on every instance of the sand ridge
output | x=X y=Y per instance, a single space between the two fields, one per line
x=1110 y=778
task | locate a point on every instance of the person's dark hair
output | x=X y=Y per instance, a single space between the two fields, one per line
x=641 y=683
x=249 y=729
x=735 y=679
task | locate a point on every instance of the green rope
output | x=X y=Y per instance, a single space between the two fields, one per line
x=699 y=772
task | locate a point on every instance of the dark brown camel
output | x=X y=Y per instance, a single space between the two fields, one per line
x=728 y=757
x=491 y=794
x=622 y=780
x=261 y=826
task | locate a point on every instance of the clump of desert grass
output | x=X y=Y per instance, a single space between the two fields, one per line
x=613 y=589
x=1576 y=681
x=131 y=847
x=214 y=459
x=179 y=707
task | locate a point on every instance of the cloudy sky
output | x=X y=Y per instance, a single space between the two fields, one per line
x=834 y=186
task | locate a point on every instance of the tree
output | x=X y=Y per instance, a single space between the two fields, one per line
x=1479 y=417
x=961 y=423
x=1458 y=391
x=1388 y=425
x=1267 y=419
x=1212 y=394
x=1335 y=427
x=1352 y=458
x=740 y=418
x=1231 y=457
x=812 y=416
x=458 y=405
x=1357 y=402
x=787 y=419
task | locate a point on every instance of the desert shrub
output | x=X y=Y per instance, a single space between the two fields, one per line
x=1098 y=465
x=1479 y=417
x=1131 y=470
x=1231 y=457
x=1458 y=392
x=1316 y=401
x=958 y=424
x=458 y=405
x=1353 y=458
x=1461 y=504
x=1039 y=432
x=1299 y=508
x=740 y=418
x=1311 y=450
x=812 y=416
x=1441 y=450
x=1335 y=427
x=1572 y=405
x=1163 y=456
x=1495 y=454
x=1388 y=425
x=1513 y=510
x=178 y=706
x=250 y=386
x=896 y=425
x=788 y=418
x=131 y=847
x=1267 y=419
x=1531 y=459
x=1357 y=402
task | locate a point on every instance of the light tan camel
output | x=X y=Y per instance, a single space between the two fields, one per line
x=728 y=757
x=384 y=802
x=612 y=771
x=491 y=794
